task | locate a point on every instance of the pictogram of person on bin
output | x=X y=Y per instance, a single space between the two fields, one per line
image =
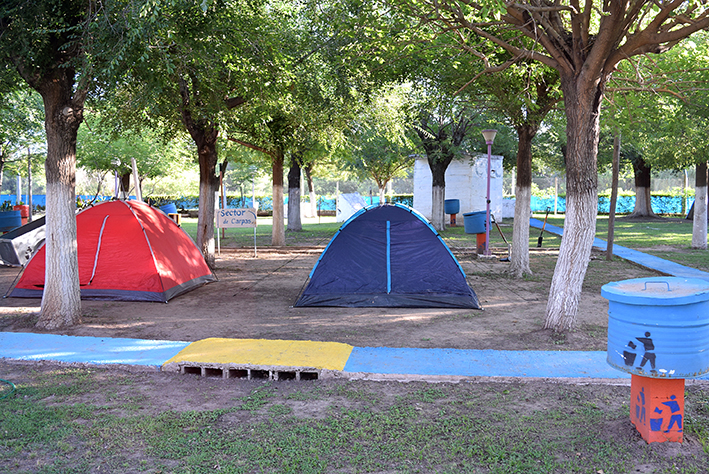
x=648 y=356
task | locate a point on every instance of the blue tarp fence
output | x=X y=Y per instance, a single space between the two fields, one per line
x=660 y=204
x=324 y=203
x=624 y=205
x=39 y=200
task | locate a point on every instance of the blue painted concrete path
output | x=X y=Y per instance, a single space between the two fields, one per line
x=482 y=363
x=369 y=360
x=643 y=259
x=88 y=350
x=361 y=360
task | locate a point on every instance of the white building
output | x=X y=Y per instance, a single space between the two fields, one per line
x=466 y=180
x=348 y=204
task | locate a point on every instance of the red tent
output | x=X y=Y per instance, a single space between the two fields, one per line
x=127 y=251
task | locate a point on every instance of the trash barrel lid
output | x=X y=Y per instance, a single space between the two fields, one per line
x=658 y=291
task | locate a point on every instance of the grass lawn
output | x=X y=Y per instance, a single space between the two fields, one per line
x=69 y=420
x=665 y=238
x=669 y=238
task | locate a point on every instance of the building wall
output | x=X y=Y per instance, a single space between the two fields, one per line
x=466 y=180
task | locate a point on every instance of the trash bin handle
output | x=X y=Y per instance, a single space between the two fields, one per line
x=659 y=282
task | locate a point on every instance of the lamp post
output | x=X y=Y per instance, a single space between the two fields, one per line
x=489 y=136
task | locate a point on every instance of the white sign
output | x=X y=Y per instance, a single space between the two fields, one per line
x=227 y=218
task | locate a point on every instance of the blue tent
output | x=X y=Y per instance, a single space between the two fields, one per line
x=388 y=256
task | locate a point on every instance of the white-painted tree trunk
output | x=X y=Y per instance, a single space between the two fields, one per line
x=519 y=255
x=295 y=184
x=582 y=105
x=61 y=299
x=643 y=203
x=437 y=208
x=571 y=266
x=699 y=222
x=313 y=204
x=205 y=223
x=294 y=221
x=278 y=233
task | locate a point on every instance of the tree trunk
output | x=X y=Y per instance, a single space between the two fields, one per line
x=205 y=137
x=614 y=195
x=124 y=184
x=208 y=186
x=29 y=185
x=582 y=99
x=278 y=234
x=204 y=133
x=643 y=201
x=4 y=155
x=61 y=298
x=294 y=221
x=311 y=191
x=2 y=170
x=382 y=194
x=438 y=192
x=699 y=222
x=519 y=254
x=439 y=155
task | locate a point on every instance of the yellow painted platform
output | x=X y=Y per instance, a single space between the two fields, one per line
x=320 y=355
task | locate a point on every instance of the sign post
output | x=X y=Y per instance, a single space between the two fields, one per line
x=238 y=218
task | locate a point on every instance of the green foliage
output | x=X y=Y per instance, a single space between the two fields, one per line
x=305 y=107
x=21 y=122
x=381 y=139
x=660 y=108
x=101 y=150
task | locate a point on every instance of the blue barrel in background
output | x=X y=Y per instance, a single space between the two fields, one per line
x=451 y=206
x=474 y=222
x=658 y=327
x=169 y=208
x=10 y=220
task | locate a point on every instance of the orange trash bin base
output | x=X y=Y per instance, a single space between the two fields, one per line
x=657 y=408
x=480 y=243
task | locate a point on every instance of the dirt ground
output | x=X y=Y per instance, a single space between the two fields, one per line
x=254 y=298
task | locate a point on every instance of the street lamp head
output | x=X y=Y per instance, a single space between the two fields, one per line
x=489 y=136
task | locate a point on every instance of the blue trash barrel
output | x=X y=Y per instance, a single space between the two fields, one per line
x=169 y=208
x=10 y=220
x=451 y=206
x=658 y=327
x=474 y=222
